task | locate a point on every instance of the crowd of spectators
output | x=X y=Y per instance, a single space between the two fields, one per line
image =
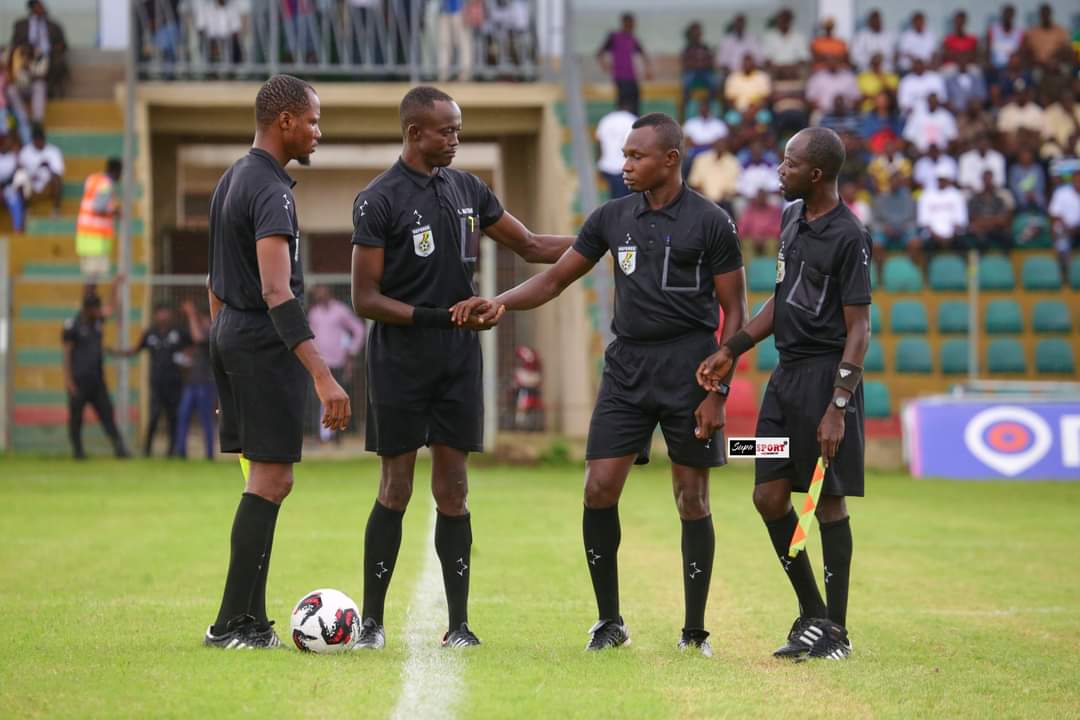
x=955 y=142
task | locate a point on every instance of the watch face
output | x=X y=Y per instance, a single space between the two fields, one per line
x=840 y=402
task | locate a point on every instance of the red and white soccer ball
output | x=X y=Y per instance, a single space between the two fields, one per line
x=325 y=622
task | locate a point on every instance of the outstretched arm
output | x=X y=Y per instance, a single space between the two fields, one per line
x=534 y=248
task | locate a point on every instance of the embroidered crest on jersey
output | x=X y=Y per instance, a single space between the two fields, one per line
x=628 y=258
x=780 y=268
x=423 y=241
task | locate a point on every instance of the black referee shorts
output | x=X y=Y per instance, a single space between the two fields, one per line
x=648 y=383
x=796 y=398
x=262 y=387
x=424 y=386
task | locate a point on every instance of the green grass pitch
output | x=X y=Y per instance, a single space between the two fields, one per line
x=964 y=601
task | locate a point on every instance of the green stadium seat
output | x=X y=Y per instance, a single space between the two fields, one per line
x=1074 y=273
x=954 y=356
x=1006 y=355
x=913 y=356
x=762 y=275
x=767 y=357
x=901 y=275
x=1051 y=316
x=996 y=273
x=1041 y=273
x=875 y=319
x=876 y=401
x=1003 y=317
x=874 y=279
x=952 y=317
x=948 y=272
x=1054 y=355
x=875 y=357
x=908 y=316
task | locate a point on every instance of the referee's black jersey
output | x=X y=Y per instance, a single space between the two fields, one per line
x=429 y=227
x=252 y=200
x=665 y=261
x=821 y=266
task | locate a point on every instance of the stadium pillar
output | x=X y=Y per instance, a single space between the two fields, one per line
x=127 y=190
x=973 y=315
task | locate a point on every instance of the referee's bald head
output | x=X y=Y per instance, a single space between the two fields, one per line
x=812 y=159
x=824 y=150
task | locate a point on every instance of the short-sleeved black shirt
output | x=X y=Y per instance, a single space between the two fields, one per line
x=821 y=266
x=86 y=362
x=252 y=200
x=429 y=226
x=165 y=346
x=665 y=261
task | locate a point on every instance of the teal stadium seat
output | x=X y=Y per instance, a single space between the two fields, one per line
x=953 y=317
x=876 y=401
x=1003 y=317
x=1005 y=355
x=1051 y=316
x=948 y=272
x=901 y=275
x=875 y=319
x=996 y=273
x=908 y=317
x=874 y=361
x=762 y=275
x=913 y=356
x=1041 y=273
x=874 y=279
x=1074 y=273
x=954 y=356
x=1054 y=355
x=767 y=357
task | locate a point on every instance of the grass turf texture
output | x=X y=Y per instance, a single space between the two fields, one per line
x=964 y=599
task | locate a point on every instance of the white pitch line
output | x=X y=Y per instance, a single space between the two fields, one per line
x=432 y=682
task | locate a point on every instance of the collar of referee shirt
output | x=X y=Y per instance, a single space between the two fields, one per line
x=278 y=170
x=671 y=210
x=421 y=180
x=821 y=224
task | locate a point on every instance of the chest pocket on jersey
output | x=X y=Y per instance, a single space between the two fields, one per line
x=808 y=291
x=470 y=237
x=682 y=270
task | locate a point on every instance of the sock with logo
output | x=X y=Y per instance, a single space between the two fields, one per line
x=453 y=544
x=382 y=539
x=798 y=568
x=698 y=543
x=602 y=534
x=836 y=550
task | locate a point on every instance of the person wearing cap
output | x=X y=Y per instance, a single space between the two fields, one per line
x=84 y=373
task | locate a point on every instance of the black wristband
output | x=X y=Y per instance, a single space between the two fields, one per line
x=739 y=343
x=431 y=317
x=291 y=323
x=848 y=377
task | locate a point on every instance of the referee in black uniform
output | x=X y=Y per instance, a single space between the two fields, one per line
x=820 y=315
x=677 y=259
x=416 y=241
x=261 y=347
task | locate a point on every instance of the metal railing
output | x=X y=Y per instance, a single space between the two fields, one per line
x=347 y=39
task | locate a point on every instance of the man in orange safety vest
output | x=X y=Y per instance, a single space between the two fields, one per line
x=94 y=228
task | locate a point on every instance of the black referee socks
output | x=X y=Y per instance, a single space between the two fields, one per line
x=698 y=544
x=836 y=549
x=600 y=529
x=382 y=539
x=249 y=561
x=453 y=544
x=798 y=568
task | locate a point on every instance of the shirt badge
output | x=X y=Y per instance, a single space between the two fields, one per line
x=423 y=241
x=779 y=270
x=628 y=258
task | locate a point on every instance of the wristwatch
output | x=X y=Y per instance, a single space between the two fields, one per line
x=723 y=390
x=840 y=402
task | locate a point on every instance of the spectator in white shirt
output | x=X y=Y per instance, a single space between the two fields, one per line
x=930 y=166
x=916 y=43
x=980 y=159
x=611 y=134
x=931 y=124
x=832 y=81
x=703 y=130
x=918 y=85
x=1065 y=215
x=784 y=46
x=44 y=163
x=942 y=215
x=221 y=22
x=736 y=45
x=758 y=173
x=873 y=40
x=1004 y=37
